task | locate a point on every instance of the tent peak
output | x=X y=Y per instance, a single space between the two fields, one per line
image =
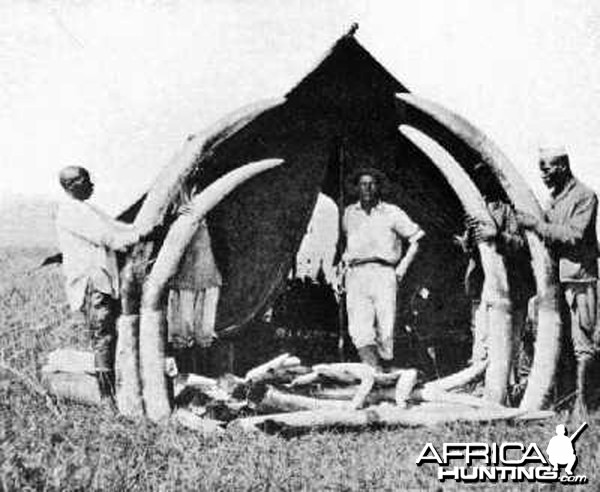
x=343 y=64
x=352 y=31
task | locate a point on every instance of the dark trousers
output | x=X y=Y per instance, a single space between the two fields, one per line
x=101 y=312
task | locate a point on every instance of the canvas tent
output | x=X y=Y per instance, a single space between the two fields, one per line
x=340 y=117
x=343 y=115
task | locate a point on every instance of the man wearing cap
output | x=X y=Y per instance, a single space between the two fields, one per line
x=88 y=240
x=569 y=229
x=374 y=231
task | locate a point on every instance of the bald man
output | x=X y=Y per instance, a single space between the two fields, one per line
x=88 y=239
x=569 y=230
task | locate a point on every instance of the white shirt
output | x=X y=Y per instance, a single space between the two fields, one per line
x=88 y=239
x=377 y=234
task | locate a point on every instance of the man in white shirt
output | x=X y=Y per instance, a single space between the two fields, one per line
x=88 y=240
x=374 y=231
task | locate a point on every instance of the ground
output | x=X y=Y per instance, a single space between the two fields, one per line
x=52 y=445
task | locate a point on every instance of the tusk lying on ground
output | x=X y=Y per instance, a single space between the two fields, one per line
x=274 y=399
x=460 y=378
x=385 y=414
x=350 y=372
x=196 y=423
x=404 y=386
x=264 y=370
x=70 y=360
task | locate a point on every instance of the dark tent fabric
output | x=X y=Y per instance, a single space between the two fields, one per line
x=340 y=117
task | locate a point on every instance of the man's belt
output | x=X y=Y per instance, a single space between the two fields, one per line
x=366 y=261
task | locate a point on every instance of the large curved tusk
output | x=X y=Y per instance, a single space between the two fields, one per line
x=152 y=316
x=150 y=215
x=168 y=182
x=182 y=230
x=490 y=154
x=547 y=345
x=495 y=286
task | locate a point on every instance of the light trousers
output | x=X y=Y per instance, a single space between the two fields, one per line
x=371 y=302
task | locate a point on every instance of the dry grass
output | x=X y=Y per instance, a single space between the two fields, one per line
x=48 y=445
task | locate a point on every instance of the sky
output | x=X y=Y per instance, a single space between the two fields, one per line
x=117 y=86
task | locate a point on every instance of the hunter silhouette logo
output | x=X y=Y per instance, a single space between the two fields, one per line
x=561 y=450
x=507 y=461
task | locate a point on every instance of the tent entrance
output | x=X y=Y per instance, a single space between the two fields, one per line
x=434 y=314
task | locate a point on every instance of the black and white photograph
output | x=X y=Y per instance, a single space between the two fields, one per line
x=299 y=245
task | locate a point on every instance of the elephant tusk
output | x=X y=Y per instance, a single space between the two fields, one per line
x=547 y=344
x=152 y=316
x=151 y=214
x=182 y=230
x=459 y=378
x=495 y=286
x=196 y=147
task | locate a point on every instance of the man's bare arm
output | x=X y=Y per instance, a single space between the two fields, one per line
x=408 y=258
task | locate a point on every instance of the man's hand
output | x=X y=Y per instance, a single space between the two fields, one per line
x=460 y=241
x=401 y=271
x=527 y=220
x=185 y=209
x=596 y=336
x=207 y=339
x=481 y=231
x=338 y=281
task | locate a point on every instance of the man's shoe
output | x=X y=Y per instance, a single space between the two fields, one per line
x=388 y=367
x=108 y=406
x=370 y=355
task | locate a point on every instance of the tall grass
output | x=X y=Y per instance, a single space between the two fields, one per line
x=56 y=445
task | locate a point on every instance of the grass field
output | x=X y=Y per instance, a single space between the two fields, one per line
x=53 y=445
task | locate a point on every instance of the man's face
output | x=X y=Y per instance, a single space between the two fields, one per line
x=552 y=171
x=81 y=187
x=368 y=189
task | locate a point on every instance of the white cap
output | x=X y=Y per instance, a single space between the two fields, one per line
x=551 y=152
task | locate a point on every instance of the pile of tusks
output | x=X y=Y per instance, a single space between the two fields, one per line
x=282 y=395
